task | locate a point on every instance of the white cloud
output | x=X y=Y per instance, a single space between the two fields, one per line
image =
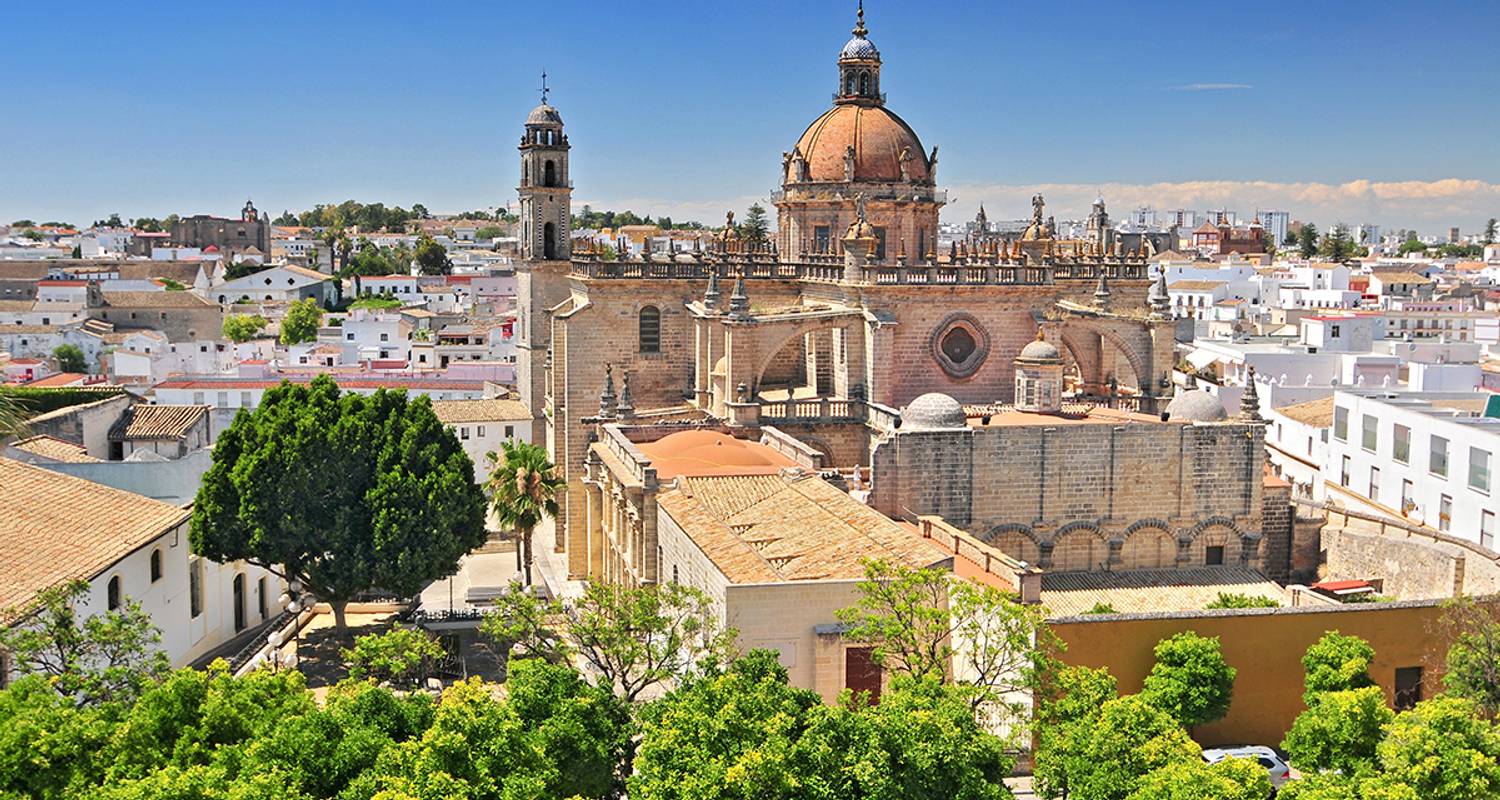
x=1213 y=87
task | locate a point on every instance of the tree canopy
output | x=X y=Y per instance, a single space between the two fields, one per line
x=301 y=322
x=1190 y=679
x=243 y=327
x=69 y=358
x=431 y=258
x=523 y=488
x=347 y=493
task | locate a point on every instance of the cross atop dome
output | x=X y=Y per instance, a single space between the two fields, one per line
x=859 y=66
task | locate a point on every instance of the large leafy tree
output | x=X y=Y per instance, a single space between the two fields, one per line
x=756 y=226
x=1336 y=663
x=243 y=327
x=69 y=358
x=1442 y=749
x=1190 y=680
x=1474 y=656
x=1229 y=779
x=301 y=322
x=1125 y=741
x=1071 y=700
x=346 y=493
x=523 y=487
x=99 y=658
x=431 y=257
x=1339 y=731
x=919 y=621
x=1307 y=240
x=743 y=732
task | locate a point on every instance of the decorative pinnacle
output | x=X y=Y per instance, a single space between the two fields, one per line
x=607 y=401
x=859 y=25
x=544 y=86
x=1250 y=400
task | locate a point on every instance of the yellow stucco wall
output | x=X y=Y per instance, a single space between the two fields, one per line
x=1266 y=648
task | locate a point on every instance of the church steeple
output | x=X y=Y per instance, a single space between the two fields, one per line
x=545 y=191
x=859 y=67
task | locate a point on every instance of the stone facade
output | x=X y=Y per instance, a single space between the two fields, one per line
x=231 y=236
x=1086 y=496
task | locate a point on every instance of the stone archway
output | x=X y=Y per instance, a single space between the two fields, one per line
x=1148 y=546
x=1015 y=541
x=1215 y=542
x=1079 y=549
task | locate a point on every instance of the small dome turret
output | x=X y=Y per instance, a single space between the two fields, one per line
x=1196 y=406
x=933 y=411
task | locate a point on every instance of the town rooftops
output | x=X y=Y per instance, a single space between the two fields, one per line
x=344 y=380
x=156 y=422
x=789 y=527
x=163 y=299
x=59 y=379
x=1400 y=277
x=1144 y=591
x=59 y=528
x=54 y=449
x=1000 y=415
x=452 y=412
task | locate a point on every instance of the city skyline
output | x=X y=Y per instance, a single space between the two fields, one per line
x=288 y=108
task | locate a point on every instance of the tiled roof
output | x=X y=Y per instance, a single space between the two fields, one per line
x=771 y=528
x=59 y=528
x=1401 y=277
x=306 y=273
x=1317 y=413
x=55 y=449
x=156 y=422
x=344 y=382
x=1195 y=286
x=162 y=299
x=13 y=306
x=452 y=412
x=1150 y=590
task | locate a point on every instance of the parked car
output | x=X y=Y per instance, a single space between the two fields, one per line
x=1275 y=765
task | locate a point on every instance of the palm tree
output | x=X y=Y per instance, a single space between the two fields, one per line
x=12 y=417
x=523 y=489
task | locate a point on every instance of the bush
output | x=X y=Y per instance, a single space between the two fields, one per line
x=1237 y=600
x=400 y=656
x=1102 y=607
x=38 y=400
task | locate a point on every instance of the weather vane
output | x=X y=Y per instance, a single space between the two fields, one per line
x=544 y=86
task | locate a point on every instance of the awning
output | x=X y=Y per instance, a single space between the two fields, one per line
x=1202 y=358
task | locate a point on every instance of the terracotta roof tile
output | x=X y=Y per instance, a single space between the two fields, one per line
x=455 y=411
x=770 y=528
x=1317 y=413
x=55 y=449
x=161 y=299
x=59 y=528
x=156 y=422
x=1150 y=590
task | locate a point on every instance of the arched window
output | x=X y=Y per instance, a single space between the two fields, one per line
x=849 y=84
x=239 y=602
x=112 y=593
x=864 y=83
x=650 y=329
x=155 y=565
x=549 y=241
x=549 y=174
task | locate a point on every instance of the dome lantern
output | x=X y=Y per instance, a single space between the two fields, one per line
x=859 y=67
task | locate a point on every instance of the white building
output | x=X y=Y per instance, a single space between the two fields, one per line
x=1423 y=457
x=284 y=284
x=481 y=425
x=58 y=528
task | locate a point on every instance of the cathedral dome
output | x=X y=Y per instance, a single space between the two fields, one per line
x=859 y=48
x=1041 y=350
x=544 y=114
x=878 y=137
x=933 y=410
x=1196 y=406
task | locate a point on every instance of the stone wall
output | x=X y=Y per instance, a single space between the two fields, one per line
x=1085 y=496
x=86 y=424
x=1276 y=530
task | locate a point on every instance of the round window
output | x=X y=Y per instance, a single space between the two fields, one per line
x=958 y=345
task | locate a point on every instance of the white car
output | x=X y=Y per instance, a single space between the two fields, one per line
x=1275 y=765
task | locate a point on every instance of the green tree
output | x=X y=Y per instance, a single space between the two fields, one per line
x=431 y=257
x=584 y=730
x=1489 y=231
x=1190 y=679
x=23 y=223
x=301 y=322
x=1441 y=750
x=243 y=327
x=1071 y=700
x=1339 y=731
x=523 y=487
x=48 y=743
x=635 y=638
x=13 y=416
x=1336 y=663
x=69 y=358
x=1228 y=779
x=1473 y=668
x=524 y=625
x=1125 y=741
x=1337 y=244
x=754 y=228
x=376 y=302
x=1307 y=240
x=489 y=232
x=401 y=656
x=344 y=492
x=901 y=613
x=109 y=656
x=420 y=211
x=1101 y=607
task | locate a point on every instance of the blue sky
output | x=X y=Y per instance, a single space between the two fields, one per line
x=1359 y=111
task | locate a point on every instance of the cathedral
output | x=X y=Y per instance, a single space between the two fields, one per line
x=826 y=333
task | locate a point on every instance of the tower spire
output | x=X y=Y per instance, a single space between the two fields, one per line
x=859 y=21
x=544 y=86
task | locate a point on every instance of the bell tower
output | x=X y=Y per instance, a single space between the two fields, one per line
x=545 y=190
x=546 y=232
